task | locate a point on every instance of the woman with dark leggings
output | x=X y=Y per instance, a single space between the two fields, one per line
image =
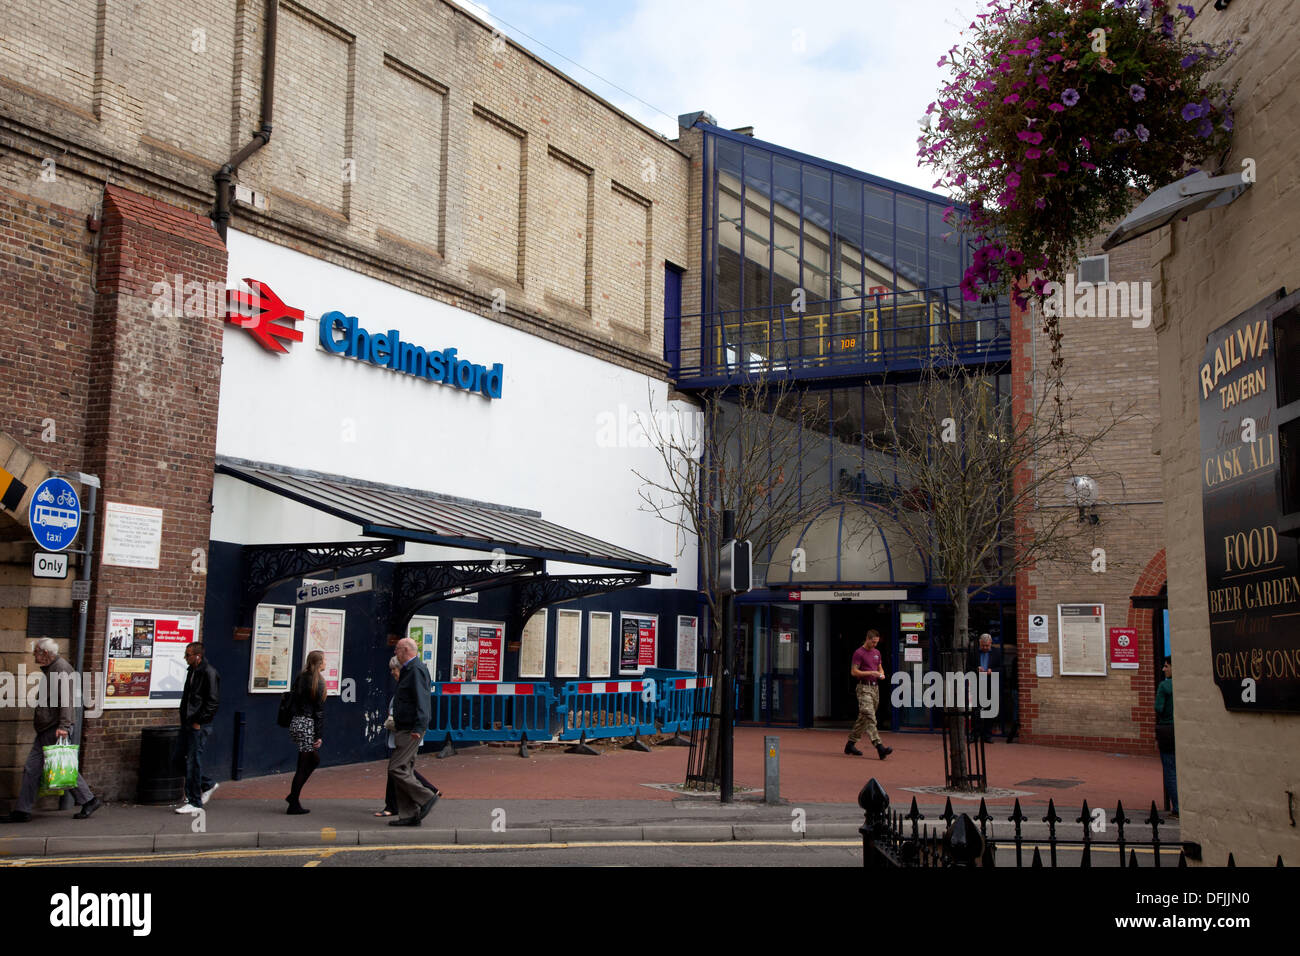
x=308 y=724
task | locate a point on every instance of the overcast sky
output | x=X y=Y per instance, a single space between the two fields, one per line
x=845 y=81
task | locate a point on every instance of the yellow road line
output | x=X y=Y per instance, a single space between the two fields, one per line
x=426 y=847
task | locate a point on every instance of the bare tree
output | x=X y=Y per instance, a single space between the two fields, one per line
x=738 y=453
x=981 y=485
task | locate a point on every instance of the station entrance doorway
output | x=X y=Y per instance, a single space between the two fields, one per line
x=839 y=630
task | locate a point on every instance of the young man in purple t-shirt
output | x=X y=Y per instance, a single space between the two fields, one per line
x=868 y=671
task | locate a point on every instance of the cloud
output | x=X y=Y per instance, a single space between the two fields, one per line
x=842 y=81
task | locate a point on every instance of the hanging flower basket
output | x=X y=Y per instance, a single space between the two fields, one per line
x=1059 y=115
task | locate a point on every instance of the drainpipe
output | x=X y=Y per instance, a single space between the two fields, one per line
x=221 y=216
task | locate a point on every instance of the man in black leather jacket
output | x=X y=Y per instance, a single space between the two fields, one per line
x=199 y=701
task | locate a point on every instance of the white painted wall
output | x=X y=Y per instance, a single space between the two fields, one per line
x=557 y=441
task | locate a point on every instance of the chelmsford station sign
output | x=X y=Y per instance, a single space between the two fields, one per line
x=1252 y=572
x=262 y=314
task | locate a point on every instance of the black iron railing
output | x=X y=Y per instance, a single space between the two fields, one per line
x=892 y=839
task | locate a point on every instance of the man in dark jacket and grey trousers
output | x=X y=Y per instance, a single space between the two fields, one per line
x=199 y=701
x=53 y=720
x=412 y=710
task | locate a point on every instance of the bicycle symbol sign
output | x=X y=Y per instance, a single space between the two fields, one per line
x=54 y=514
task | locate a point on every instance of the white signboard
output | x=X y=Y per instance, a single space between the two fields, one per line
x=1081 y=633
x=1043 y=665
x=600 y=625
x=687 y=629
x=311 y=591
x=423 y=629
x=132 y=535
x=325 y=629
x=532 y=646
x=568 y=642
x=1037 y=628
x=47 y=565
x=271 y=667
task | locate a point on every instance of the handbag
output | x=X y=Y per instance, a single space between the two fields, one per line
x=60 y=772
x=284 y=716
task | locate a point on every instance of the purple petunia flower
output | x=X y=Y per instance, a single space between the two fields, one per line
x=1227 y=119
x=1137 y=92
x=1070 y=96
x=1189 y=60
x=1205 y=128
x=1056 y=107
x=1167 y=25
x=1188 y=9
x=1032 y=153
x=1141 y=132
x=1013 y=180
x=1192 y=111
x=1144 y=8
x=1040 y=203
x=1121 y=135
x=1012 y=99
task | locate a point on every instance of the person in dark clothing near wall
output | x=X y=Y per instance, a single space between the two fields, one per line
x=307 y=727
x=199 y=702
x=1165 y=733
x=390 y=798
x=412 y=711
x=984 y=658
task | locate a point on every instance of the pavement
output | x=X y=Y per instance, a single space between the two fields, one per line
x=493 y=796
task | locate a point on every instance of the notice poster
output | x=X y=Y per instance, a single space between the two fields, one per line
x=687 y=637
x=568 y=642
x=1037 y=628
x=132 y=535
x=532 y=647
x=325 y=634
x=1124 y=648
x=911 y=621
x=639 y=638
x=476 y=650
x=423 y=629
x=271 y=667
x=1082 y=638
x=145 y=657
x=600 y=625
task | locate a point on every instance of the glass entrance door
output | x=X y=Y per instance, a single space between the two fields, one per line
x=768 y=665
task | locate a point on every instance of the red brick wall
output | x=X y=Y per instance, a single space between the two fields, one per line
x=46 y=258
x=151 y=429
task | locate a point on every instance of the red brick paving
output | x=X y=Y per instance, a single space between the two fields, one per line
x=814 y=769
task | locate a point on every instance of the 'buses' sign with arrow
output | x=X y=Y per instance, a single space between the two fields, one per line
x=310 y=591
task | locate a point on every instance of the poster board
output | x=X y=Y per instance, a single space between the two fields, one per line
x=132 y=535
x=568 y=642
x=270 y=669
x=600 y=625
x=638 y=640
x=144 y=659
x=423 y=629
x=1081 y=639
x=477 y=649
x=325 y=633
x=1124 y=648
x=532 y=646
x=687 y=637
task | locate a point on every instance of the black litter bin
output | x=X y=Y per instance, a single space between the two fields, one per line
x=162 y=776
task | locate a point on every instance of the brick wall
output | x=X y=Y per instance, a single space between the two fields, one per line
x=1235 y=770
x=435 y=199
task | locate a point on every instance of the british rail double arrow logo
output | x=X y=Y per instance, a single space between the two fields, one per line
x=263 y=324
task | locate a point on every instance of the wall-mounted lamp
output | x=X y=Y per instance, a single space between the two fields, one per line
x=1082 y=491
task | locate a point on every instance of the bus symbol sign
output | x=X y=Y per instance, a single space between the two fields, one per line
x=54 y=514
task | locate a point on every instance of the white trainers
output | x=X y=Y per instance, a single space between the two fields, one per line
x=188 y=808
x=207 y=794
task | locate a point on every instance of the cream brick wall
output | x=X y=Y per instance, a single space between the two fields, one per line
x=393 y=85
x=1235 y=770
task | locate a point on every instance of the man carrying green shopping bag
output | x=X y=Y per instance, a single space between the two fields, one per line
x=53 y=726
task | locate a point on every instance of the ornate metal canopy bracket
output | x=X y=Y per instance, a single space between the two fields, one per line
x=531 y=594
x=266 y=565
x=417 y=583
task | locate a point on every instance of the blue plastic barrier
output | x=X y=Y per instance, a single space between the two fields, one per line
x=483 y=712
x=679 y=699
x=595 y=709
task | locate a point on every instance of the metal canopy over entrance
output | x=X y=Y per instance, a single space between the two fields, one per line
x=405 y=514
